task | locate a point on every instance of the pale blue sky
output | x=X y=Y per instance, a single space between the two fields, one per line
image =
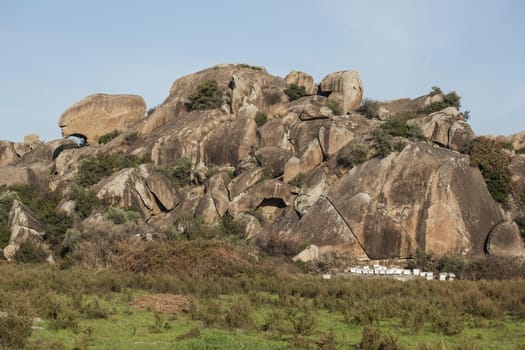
x=54 y=53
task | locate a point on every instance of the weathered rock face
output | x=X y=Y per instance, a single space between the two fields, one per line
x=24 y=225
x=301 y=79
x=425 y=197
x=8 y=154
x=230 y=142
x=140 y=188
x=273 y=158
x=242 y=87
x=348 y=84
x=36 y=175
x=100 y=114
x=447 y=128
x=214 y=204
x=273 y=191
x=310 y=107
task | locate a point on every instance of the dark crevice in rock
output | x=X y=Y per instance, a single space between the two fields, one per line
x=346 y=223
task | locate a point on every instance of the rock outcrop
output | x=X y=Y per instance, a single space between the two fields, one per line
x=447 y=128
x=141 y=188
x=23 y=225
x=344 y=87
x=308 y=172
x=424 y=198
x=100 y=114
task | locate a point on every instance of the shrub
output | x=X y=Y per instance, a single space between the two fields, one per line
x=352 y=155
x=14 y=331
x=240 y=315
x=369 y=108
x=93 y=169
x=247 y=66
x=383 y=143
x=230 y=227
x=30 y=252
x=334 y=107
x=295 y=92
x=452 y=99
x=207 y=96
x=435 y=90
x=108 y=137
x=190 y=228
x=85 y=201
x=373 y=339
x=180 y=175
x=399 y=126
x=119 y=216
x=260 y=119
x=493 y=163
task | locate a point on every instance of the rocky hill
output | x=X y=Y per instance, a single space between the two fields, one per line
x=292 y=162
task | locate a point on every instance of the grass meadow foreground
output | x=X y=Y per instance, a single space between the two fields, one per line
x=267 y=308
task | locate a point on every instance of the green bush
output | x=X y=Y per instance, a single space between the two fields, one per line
x=85 y=201
x=334 y=107
x=120 y=216
x=30 y=252
x=14 y=331
x=352 y=155
x=240 y=315
x=373 y=339
x=180 y=175
x=108 y=137
x=43 y=204
x=489 y=157
x=397 y=126
x=93 y=169
x=369 y=108
x=247 y=66
x=435 y=90
x=230 y=227
x=208 y=95
x=295 y=92
x=260 y=119
x=452 y=99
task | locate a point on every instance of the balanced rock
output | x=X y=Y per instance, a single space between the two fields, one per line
x=100 y=114
x=348 y=88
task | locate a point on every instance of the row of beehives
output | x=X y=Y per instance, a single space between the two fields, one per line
x=396 y=271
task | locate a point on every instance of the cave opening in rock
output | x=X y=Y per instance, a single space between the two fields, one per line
x=79 y=139
x=270 y=208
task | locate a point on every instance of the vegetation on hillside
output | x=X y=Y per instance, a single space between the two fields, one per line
x=493 y=162
x=92 y=169
x=399 y=126
x=207 y=95
x=295 y=92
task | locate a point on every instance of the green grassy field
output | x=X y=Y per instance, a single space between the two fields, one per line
x=86 y=309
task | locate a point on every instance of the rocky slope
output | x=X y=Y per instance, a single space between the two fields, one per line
x=297 y=163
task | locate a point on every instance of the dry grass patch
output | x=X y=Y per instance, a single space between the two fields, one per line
x=163 y=303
